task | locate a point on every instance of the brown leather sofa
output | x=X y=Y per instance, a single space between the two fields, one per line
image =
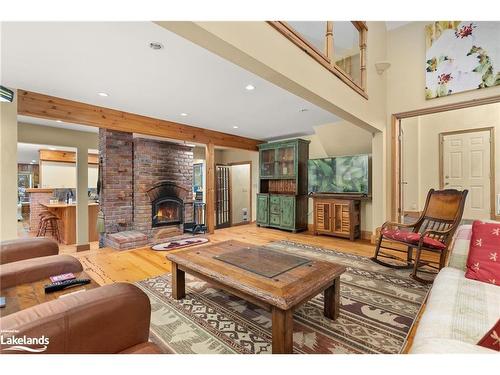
x=110 y=319
x=31 y=259
x=30 y=270
x=27 y=248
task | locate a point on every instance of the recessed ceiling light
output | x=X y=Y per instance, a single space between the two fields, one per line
x=184 y=114
x=235 y=127
x=33 y=161
x=52 y=148
x=155 y=45
x=250 y=87
x=58 y=121
x=102 y=94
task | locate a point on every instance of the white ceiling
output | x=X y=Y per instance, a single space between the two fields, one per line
x=80 y=59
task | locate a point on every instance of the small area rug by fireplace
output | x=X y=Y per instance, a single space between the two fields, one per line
x=378 y=308
x=179 y=243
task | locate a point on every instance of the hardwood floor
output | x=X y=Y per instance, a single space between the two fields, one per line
x=108 y=266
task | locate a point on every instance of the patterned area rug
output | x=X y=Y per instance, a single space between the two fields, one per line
x=180 y=243
x=378 y=308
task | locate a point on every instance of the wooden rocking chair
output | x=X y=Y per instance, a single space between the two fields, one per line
x=433 y=231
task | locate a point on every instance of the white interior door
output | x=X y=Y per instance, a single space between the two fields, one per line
x=466 y=165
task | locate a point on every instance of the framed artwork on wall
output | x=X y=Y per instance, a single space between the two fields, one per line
x=461 y=56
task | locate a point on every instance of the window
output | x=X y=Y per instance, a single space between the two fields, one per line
x=340 y=46
x=346 y=50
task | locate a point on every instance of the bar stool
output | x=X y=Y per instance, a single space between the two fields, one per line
x=42 y=215
x=50 y=223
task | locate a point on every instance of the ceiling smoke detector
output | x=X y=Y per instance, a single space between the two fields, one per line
x=155 y=45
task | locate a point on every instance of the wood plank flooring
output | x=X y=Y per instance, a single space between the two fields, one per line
x=109 y=265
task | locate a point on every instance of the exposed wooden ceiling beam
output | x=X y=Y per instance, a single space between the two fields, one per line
x=54 y=108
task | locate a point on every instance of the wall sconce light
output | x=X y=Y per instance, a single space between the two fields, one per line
x=382 y=66
x=6 y=95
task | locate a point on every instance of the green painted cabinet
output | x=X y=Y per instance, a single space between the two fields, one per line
x=263 y=209
x=287 y=212
x=282 y=201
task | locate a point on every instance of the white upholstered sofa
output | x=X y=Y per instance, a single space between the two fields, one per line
x=459 y=311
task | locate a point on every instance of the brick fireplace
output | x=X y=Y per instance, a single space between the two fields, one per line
x=147 y=185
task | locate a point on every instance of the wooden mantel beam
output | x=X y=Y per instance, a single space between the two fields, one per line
x=54 y=108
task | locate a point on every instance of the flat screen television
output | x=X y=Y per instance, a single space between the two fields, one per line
x=341 y=174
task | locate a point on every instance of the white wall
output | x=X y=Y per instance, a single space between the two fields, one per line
x=343 y=138
x=8 y=170
x=240 y=192
x=411 y=163
x=63 y=175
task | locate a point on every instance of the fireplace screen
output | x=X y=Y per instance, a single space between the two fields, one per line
x=167 y=211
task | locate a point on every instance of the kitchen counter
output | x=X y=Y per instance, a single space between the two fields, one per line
x=67 y=223
x=39 y=190
x=62 y=205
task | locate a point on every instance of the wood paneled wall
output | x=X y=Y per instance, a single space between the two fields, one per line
x=65 y=156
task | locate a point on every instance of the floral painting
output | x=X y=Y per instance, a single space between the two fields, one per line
x=461 y=56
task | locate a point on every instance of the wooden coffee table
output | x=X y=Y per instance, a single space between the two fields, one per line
x=271 y=279
x=27 y=295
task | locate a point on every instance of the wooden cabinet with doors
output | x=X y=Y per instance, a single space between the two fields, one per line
x=337 y=215
x=282 y=201
x=263 y=209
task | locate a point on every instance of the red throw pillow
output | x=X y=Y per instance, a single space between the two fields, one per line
x=492 y=339
x=483 y=262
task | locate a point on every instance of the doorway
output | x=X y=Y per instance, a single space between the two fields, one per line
x=233 y=194
x=452 y=148
x=465 y=163
x=241 y=192
x=222 y=197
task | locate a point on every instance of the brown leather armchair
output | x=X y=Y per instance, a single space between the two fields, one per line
x=110 y=319
x=31 y=259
